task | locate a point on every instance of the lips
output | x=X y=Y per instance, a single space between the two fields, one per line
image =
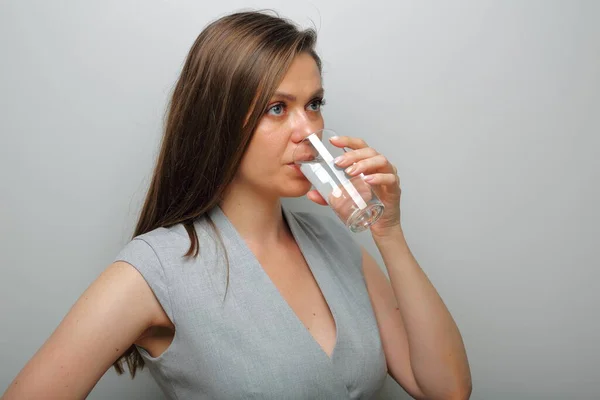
x=296 y=168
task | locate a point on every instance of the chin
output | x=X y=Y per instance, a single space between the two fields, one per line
x=295 y=188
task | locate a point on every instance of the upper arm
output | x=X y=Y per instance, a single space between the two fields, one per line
x=391 y=327
x=104 y=322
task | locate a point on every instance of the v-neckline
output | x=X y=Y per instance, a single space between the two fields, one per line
x=296 y=233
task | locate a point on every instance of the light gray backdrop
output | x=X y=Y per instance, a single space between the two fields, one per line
x=489 y=109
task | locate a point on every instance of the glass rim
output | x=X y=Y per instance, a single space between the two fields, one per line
x=320 y=130
x=330 y=133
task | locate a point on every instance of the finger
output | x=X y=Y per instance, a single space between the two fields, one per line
x=314 y=196
x=347 y=141
x=382 y=179
x=379 y=163
x=353 y=156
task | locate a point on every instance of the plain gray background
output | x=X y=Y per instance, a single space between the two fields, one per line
x=489 y=109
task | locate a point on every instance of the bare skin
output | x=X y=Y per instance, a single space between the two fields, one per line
x=423 y=348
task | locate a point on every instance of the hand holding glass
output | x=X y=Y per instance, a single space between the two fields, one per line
x=350 y=197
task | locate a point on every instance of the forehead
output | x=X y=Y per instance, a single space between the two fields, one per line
x=302 y=76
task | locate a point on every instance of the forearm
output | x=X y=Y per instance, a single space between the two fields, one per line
x=437 y=354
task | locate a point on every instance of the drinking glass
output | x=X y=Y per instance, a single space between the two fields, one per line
x=350 y=197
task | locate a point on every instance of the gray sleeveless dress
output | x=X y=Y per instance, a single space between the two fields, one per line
x=250 y=344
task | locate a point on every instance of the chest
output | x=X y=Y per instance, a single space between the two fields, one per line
x=292 y=277
x=284 y=330
x=273 y=324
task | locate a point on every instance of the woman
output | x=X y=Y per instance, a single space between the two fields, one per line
x=225 y=294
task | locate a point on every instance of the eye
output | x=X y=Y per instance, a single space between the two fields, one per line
x=316 y=104
x=276 y=109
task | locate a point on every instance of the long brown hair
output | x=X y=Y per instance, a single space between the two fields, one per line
x=230 y=73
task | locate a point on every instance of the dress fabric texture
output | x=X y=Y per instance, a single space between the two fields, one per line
x=250 y=344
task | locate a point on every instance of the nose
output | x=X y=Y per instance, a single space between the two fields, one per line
x=303 y=125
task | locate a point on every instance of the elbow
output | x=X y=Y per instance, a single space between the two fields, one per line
x=463 y=391
x=465 y=394
x=460 y=391
x=463 y=386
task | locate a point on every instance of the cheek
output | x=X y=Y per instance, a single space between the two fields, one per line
x=269 y=149
x=264 y=157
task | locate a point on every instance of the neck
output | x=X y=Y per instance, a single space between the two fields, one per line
x=258 y=219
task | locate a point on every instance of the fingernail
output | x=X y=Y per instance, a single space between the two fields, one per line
x=339 y=159
x=350 y=169
x=368 y=178
x=334 y=138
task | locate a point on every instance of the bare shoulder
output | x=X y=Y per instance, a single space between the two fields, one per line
x=124 y=281
x=109 y=316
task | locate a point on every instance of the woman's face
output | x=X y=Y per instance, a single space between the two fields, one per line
x=292 y=114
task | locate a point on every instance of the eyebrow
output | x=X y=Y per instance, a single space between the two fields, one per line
x=291 y=97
